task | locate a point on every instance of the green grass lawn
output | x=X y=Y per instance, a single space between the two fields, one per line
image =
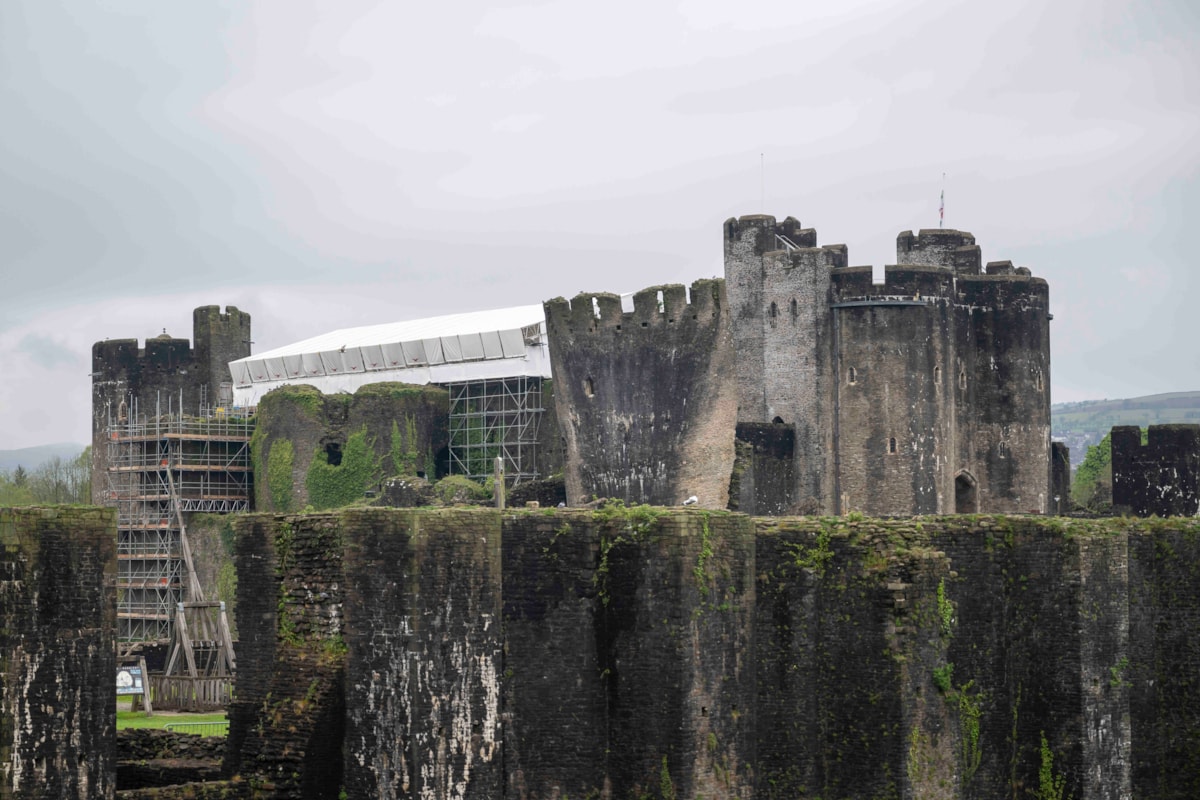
x=138 y=719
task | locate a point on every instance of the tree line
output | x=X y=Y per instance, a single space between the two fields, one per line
x=57 y=480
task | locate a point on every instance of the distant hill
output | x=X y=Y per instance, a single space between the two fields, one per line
x=1085 y=423
x=32 y=457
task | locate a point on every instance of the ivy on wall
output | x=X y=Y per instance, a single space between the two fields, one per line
x=404 y=449
x=335 y=486
x=279 y=475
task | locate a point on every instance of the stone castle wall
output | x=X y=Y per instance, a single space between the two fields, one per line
x=645 y=399
x=1161 y=477
x=779 y=294
x=928 y=393
x=645 y=651
x=298 y=425
x=57 y=652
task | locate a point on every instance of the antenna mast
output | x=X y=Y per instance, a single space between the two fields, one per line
x=942 y=209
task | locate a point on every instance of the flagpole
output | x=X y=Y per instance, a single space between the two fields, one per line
x=942 y=209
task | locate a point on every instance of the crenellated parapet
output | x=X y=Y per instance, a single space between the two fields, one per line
x=1158 y=478
x=939 y=247
x=644 y=398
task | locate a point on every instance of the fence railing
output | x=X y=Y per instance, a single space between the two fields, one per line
x=199 y=728
x=185 y=693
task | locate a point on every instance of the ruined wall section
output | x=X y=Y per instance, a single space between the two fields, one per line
x=57 y=652
x=299 y=424
x=692 y=653
x=1162 y=673
x=894 y=422
x=644 y=399
x=1002 y=394
x=1161 y=477
x=166 y=375
x=1016 y=607
x=287 y=719
x=1060 y=478
x=424 y=638
x=843 y=709
x=763 y=481
x=630 y=657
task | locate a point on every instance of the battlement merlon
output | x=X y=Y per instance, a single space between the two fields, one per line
x=940 y=247
x=1182 y=437
x=907 y=281
x=114 y=355
x=666 y=304
x=826 y=258
x=766 y=234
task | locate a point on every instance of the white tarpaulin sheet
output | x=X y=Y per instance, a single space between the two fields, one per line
x=449 y=349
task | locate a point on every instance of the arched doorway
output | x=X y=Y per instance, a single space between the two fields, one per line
x=966 y=493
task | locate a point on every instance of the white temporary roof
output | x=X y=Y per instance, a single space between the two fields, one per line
x=502 y=343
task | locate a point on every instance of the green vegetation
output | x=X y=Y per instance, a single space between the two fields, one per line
x=139 y=719
x=1092 y=487
x=1051 y=785
x=309 y=399
x=1099 y=416
x=620 y=524
x=459 y=489
x=666 y=787
x=945 y=609
x=1117 y=681
x=478 y=448
x=703 y=579
x=331 y=486
x=279 y=475
x=970 y=711
x=404 y=448
x=814 y=557
x=943 y=677
x=51 y=482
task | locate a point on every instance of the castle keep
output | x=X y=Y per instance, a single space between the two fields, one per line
x=927 y=394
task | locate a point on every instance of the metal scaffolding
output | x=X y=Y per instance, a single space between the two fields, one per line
x=497 y=417
x=157 y=470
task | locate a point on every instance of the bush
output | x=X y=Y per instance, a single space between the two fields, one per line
x=454 y=489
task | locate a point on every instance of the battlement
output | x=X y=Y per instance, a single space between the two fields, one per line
x=209 y=322
x=653 y=307
x=1161 y=477
x=767 y=235
x=939 y=247
x=647 y=408
x=827 y=257
x=908 y=282
x=1160 y=439
x=125 y=354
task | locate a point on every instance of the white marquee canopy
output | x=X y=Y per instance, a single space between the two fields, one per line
x=501 y=343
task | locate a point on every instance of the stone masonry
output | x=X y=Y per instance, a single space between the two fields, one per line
x=645 y=400
x=57 y=653
x=928 y=393
x=640 y=651
x=1160 y=478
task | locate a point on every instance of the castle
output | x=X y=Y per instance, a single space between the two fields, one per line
x=926 y=394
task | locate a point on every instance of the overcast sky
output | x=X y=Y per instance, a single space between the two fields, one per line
x=330 y=164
